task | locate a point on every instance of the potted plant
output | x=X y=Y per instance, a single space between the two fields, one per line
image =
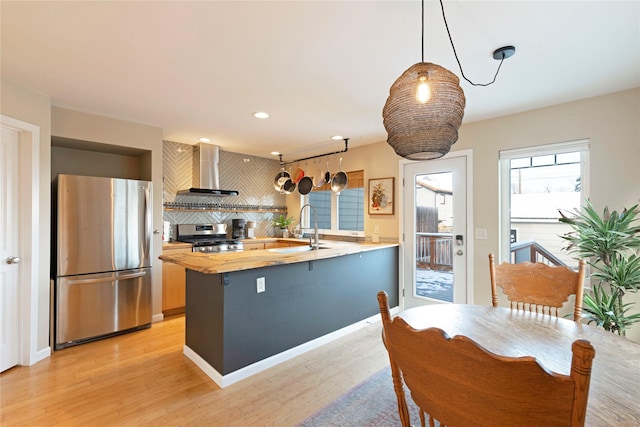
x=609 y=243
x=283 y=223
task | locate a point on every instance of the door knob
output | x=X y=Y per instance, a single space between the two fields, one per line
x=13 y=260
x=459 y=252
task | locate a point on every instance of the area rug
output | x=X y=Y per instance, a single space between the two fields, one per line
x=371 y=403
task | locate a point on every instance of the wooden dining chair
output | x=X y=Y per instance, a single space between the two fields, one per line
x=537 y=287
x=459 y=383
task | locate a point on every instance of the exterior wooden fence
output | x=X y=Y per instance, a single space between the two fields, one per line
x=434 y=251
x=532 y=251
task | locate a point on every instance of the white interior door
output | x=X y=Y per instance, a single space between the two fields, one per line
x=435 y=232
x=9 y=249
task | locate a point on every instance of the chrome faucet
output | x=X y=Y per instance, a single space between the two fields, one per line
x=314 y=241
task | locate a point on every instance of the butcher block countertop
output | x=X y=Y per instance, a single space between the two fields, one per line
x=227 y=262
x=175 y=245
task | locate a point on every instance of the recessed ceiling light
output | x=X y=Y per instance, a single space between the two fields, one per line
x=337 y=137
x=204 y=140
x=275 y=153
x=261 y=115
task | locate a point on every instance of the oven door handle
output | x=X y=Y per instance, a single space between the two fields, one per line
x=105 y=279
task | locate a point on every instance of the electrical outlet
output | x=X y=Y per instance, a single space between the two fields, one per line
x=375 y=238
x=260 y=285
x=376 y=229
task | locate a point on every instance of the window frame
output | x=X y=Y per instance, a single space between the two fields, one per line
x=335 y=203
x=504 y=199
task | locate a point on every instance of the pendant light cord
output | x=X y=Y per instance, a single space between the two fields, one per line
x=422 y=38
x=454 y=49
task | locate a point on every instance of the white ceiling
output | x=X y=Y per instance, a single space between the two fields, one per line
x=320 y=68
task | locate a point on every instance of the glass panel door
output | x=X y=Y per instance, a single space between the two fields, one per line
x=435 y=232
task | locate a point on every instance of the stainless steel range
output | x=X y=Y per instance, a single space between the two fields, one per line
x=208 y=238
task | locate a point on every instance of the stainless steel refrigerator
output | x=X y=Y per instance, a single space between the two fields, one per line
x=102 y=264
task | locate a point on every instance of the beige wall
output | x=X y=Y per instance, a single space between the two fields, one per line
x=611 y=123
x=91 y=163
x=22 y=104
x=88 y=127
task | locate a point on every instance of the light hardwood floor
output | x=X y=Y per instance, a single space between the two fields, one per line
x=142 y=378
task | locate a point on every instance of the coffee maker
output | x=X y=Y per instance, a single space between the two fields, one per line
x=237 y=228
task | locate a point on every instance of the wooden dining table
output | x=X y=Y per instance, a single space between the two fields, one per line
x=614 y=394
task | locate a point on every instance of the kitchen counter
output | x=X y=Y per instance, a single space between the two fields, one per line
x=237 y=261
x=175 y=245
x=248 y=311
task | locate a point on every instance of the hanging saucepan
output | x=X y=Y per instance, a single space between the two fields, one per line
x=305 y=185
x=318 y=176
x=339 y=180
x=297 y=174
x=289 y=186
x=280 y=179
x=327 y=174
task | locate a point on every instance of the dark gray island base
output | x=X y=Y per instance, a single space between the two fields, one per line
x=233 y=332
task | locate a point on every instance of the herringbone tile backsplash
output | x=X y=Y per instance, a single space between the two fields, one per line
x=251 y=176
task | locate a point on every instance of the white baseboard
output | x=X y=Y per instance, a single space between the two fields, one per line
x=247 y=371
x=157 y=318
x=40 y=355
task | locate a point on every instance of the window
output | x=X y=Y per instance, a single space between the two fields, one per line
x=536 y=183
x=339 y=213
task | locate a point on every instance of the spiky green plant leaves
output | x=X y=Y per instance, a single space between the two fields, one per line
x=601 y=237
x=604 y=310
x=610 y=242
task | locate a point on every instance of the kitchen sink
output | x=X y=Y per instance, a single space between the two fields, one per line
x=295 y=249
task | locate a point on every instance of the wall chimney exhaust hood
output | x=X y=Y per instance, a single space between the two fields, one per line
x=206 y=173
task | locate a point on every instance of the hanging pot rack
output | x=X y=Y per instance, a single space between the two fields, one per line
x=346 y=148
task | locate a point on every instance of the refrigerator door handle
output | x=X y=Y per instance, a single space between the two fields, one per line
x=102 y=279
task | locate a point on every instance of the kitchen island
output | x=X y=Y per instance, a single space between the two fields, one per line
x=235 y=329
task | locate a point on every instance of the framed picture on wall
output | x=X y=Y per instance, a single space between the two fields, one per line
x=381 y=196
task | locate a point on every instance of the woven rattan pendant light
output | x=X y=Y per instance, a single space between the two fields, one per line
x=424 y=130
x=425 y=106
x=423 y=127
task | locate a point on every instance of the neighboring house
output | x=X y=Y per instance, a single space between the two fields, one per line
x=432 y=195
